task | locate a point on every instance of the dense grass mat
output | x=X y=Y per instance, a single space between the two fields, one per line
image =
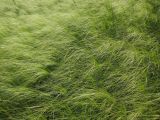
x=79 y=60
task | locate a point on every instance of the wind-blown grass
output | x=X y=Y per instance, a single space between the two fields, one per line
x=79 y=60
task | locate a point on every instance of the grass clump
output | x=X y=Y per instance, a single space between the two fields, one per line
x=79 y=60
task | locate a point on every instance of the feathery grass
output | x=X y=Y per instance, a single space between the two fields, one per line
x=79 y=60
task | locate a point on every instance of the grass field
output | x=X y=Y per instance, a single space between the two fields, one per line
x=79 y=59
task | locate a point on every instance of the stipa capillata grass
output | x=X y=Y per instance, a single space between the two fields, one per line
x=98 y=60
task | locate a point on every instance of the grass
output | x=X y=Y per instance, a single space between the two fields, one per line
x=79 y=60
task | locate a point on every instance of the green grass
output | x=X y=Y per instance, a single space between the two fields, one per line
x=79 y=60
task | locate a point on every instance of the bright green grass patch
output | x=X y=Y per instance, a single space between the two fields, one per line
x=79 y=60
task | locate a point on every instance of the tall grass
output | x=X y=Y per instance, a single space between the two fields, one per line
x=79 y=60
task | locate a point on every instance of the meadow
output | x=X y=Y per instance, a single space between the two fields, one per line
x=79 y=59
